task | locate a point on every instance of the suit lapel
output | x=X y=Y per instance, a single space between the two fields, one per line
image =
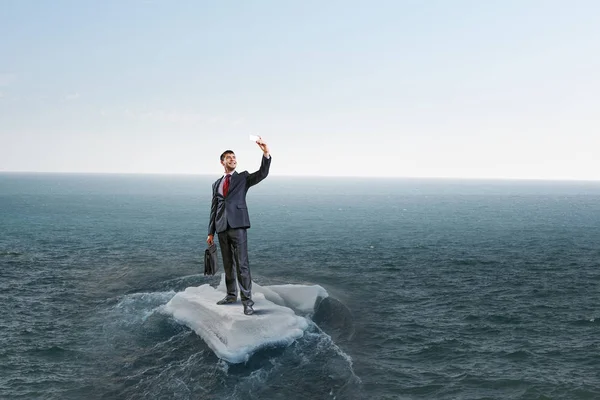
x=233 y=182
x=217 y=185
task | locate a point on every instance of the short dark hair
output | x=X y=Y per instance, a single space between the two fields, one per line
x=225 y=153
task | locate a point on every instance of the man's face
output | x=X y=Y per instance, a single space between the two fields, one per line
x=229 y=162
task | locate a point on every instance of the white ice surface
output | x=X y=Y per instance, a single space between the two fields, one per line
x=234 y=336
x=300 y=298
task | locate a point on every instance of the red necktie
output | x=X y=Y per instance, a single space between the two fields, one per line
x=226 y=185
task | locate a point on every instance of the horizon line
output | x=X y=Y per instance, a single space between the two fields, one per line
x=310 y=176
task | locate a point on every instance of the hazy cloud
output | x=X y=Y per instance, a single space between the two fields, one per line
x=72 y=96
x=7 y=79
x=177 y=117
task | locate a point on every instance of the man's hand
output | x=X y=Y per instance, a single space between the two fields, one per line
x=263 y=146
x=210 y=240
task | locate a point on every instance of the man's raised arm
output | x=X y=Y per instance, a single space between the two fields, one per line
x=265 y=164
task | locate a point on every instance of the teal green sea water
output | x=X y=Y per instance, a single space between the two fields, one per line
x=439 y=289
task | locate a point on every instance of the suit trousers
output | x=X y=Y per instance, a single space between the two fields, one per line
x=234 y=250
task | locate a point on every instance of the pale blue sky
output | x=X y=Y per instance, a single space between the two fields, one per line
x=475 y=89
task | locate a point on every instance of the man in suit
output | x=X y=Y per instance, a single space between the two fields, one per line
x=229 y=219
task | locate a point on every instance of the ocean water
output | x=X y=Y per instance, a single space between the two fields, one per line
x=439 y=289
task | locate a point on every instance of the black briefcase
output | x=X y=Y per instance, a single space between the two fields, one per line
x=210 y=260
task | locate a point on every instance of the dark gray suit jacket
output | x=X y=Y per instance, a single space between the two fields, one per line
x=232 y=209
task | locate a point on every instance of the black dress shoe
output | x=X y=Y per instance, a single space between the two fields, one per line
x=227 y=300
x=248 y=310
